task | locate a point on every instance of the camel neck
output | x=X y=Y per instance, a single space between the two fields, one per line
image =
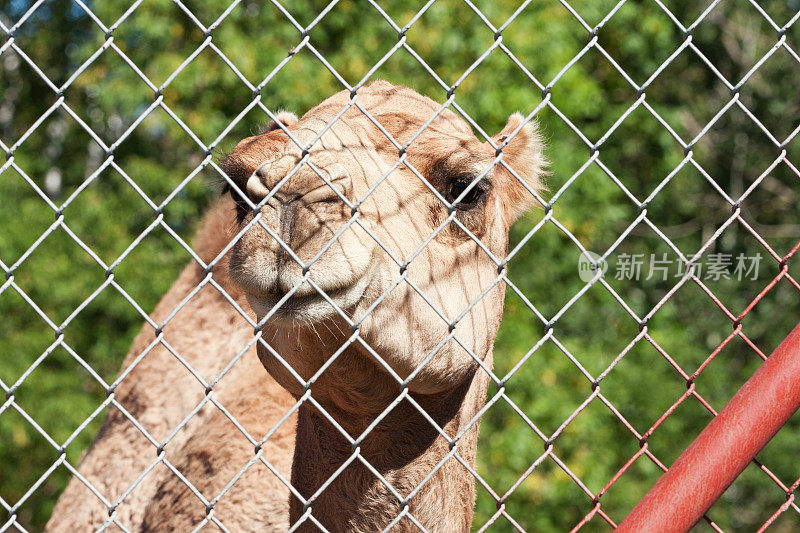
x=403 y=447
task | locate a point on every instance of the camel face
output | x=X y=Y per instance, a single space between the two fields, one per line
x=414 y=265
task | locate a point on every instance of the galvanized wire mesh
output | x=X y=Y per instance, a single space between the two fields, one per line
x=498 y=395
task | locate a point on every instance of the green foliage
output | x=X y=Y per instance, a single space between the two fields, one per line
x=596 y=209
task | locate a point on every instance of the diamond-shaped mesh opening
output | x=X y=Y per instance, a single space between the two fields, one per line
x=609 y=91
x=56 y=55
x=201 y=13
x=657 y=34
x=595 y=427
x=190 y=178
x=231 y=39
x=644 y=271
x=27 y=346
x=152 y=25
x=330 y=36
x=693 y=13
x=547 y=482
x=494 y=468
x=685 y=228
x=107 y=191
x=687 y=94
x=784 y=295
x=17 y=71
x=524 y=97
x=32 y=456
x=91 y=96
x=672 y=134
x=686 y=303
x=559 y=371
x=224 y=93
x=642 y=404
x=639 y=476
x=530 y=291
x=58 y=362
x=59 y=156
x=781 y=13
x=64 y=290
x=606 y=346
x=475 y=40
x=157 y=250
x=739 y=38
x=752 y=266
x=641 y=169
x=532 y=48
x=731 y=365
x=767 y=208
x=678 y=429
x=33 y=213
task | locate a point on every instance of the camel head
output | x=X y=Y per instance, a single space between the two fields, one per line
x=407 y=262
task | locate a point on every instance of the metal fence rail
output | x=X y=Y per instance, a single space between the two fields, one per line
x=497 y=393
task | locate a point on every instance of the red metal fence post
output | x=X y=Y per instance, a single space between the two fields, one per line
x=724 y=448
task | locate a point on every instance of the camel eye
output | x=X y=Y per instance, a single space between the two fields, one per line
x=472 y=197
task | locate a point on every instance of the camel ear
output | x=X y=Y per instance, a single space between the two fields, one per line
x=286 y=118
x=523 y=151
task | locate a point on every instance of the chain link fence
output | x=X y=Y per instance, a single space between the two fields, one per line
x=568 y=441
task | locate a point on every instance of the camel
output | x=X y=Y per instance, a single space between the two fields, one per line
x=380 y=332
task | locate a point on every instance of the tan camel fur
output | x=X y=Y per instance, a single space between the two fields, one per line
x=404 y=305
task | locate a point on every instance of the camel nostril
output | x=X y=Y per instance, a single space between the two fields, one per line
x=255 y=186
